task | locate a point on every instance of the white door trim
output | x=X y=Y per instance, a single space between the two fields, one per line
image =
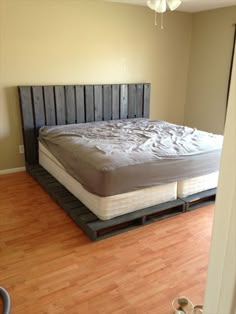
x=220 y=294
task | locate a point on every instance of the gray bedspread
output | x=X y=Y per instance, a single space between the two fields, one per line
x=113 y=157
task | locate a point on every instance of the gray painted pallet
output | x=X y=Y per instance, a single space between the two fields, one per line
x=95 y=228
x=65 y=104
x=197 y=200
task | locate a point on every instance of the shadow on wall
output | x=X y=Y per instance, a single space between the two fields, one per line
x=11 y=133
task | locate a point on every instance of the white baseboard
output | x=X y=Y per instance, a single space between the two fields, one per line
x=13 y=170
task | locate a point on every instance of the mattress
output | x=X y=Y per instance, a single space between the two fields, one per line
x=196 y=185
x=111 y=206
x=128 y=155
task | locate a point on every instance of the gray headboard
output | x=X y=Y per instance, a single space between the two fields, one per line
x=57 y=105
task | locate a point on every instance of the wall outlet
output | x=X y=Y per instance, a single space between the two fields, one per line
x=21 y=149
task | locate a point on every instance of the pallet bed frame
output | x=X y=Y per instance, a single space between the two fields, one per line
x=58 y=105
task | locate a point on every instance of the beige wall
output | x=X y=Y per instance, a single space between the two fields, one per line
x=67 y=41
x=211 y=49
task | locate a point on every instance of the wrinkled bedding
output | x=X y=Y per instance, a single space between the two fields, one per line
x=114 y=157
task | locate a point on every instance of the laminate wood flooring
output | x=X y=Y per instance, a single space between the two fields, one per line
x=49 y=266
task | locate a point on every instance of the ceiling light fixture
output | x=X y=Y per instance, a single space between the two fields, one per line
x=160 y=6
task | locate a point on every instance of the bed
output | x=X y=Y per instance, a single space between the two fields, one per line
x=115 y=200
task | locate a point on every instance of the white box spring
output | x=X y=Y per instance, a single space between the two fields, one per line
x=110 y=206
x=197 y=184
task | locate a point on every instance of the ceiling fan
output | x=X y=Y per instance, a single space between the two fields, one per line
x=160 y=6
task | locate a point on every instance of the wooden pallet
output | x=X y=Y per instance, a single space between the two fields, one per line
x=200 y=199
x=95 y=228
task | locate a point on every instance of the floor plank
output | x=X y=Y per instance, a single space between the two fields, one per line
x=49 y=266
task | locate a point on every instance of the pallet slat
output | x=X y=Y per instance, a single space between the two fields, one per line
x=123 y=102
x=135 y=215
x=49 y=105
x=80 y=105
x=139 y=101
x=132 y=101
x=70 y=104
x=60 y=105
x=38 y=103
x=98 y=101
x=200 y=199
x=115 y=102
x=89 y=101
x=28 y=125
x=107 y=102
x=146 y=101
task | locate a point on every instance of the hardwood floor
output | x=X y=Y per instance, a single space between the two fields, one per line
x=49 y=266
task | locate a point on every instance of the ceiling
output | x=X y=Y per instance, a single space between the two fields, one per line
x=189 y=5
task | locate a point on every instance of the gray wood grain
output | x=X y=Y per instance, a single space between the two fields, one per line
x=80 y=103
x=60 y=105
x=146 y=101
x=27 y=114
x=98 y=102
x=89 y=103
x=123 y=101
x=107 y=99
x=70 y=104
x=115 y=102
x=38 y=103
x=139 y=101
x=49 y=105
x=132 y=101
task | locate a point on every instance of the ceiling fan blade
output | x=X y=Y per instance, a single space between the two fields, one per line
x=173 y=4
x=157 y=5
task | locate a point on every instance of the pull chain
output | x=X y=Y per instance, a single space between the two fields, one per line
x=155 y=18
x=162 y=21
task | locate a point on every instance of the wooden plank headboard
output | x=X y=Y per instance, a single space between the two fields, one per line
x=58 y=105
